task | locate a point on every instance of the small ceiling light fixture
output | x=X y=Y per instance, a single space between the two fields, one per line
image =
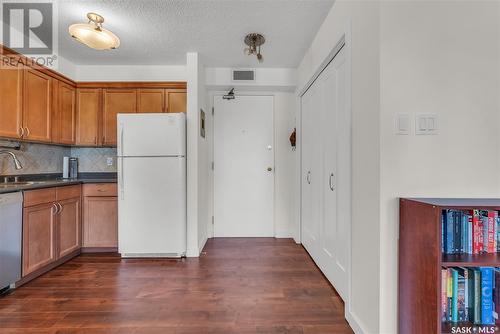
x=254 y=41
x=93 y=35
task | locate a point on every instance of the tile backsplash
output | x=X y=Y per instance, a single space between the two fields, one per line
x=93 y=160
x=41 y=158
x=35 y=158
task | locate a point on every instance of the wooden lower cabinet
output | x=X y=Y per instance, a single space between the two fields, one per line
x=51 y=226
x=69 y=227
x=100 y=220
x=39 y=247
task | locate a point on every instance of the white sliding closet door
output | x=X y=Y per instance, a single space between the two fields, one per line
x=326 y=173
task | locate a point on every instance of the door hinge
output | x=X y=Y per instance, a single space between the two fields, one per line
x=213 y=220
x=213 y=110
x=212 y=165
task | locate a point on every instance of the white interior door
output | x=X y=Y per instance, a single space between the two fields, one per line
x=244 y=167
x=326 y=173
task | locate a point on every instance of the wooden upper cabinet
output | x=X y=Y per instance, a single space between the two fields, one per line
x=11 y=87
x=116 y=101
x=64 y=123
x=39 y=248
x=151 y=100
x=88 y=116
x=176 y=100
x=37 y=104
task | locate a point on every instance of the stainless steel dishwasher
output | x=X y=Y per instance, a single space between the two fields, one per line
x=11 y=226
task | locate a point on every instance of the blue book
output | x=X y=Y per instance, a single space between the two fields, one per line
x=454 y=296
x=487 y=296
x=443 y=232
x=463 y=224
x=449 y=232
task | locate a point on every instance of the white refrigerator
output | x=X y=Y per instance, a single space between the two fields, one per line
x=152 y=185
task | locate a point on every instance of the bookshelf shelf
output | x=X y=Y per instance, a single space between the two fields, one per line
x=468 y=260
x=421 y=260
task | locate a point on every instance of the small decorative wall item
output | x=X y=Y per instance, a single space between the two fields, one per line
x=293 y=138
x=202 y=123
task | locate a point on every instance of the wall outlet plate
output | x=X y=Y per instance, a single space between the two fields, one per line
x=426 y=124
x=109 y=161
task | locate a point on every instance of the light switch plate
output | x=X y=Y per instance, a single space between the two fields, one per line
x=402 y=124
x=426 y=124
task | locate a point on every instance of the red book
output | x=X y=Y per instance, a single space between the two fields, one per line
x=491 y=232
x=477 y=232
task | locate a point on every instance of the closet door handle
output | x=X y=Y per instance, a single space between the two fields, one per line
x=330 y=182
x=308 y=177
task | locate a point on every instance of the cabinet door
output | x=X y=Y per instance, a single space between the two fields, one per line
x=38 y=237
x=176 y=101
x=37 y=105
x=11 y=88
x=100 y=224
x=88 y=116
x=64 y=124
x=69 y=226
x=150 y=100
x=116 y=101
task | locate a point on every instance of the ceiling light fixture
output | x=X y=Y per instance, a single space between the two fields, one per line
x=254 y=41
x=93 y=35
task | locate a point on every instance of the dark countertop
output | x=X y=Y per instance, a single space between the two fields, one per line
x=39 y=181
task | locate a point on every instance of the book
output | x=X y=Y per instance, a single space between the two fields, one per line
x=471 y=292
x=461 y=296
x=484 y=227
x=498 y=232
x=449 y=232
x=477 y=297
x=449 y=293
x=454 y=297
x=477 y=232
x=444 y=295
x=496 y=296
x=486 y=296
x=491 y=247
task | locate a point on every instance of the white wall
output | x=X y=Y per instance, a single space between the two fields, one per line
x=204 y=165
x=440 y=57
x=362 y=17
x=266 y=79
x=284 y=180
x=130 y=73
x=192 y=116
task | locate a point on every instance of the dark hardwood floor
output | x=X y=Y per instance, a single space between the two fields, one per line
x=239 y=285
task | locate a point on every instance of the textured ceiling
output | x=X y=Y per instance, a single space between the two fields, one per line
x=161 y=32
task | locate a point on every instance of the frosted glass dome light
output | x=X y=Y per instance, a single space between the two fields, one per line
x=93 y=35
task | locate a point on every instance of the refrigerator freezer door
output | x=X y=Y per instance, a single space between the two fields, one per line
x=152 y=206
x=152 y=135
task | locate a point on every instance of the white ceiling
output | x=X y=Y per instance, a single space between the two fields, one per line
x=162 y=31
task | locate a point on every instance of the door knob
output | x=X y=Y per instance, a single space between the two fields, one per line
x=269 y=169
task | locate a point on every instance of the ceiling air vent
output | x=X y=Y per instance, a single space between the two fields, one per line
x=243 y=75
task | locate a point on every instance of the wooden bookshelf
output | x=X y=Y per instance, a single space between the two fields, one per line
x=421 y=260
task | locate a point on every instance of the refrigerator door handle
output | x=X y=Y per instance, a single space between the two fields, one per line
x=122 y=149
x=122 y=179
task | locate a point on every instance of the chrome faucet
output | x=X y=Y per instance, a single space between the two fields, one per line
x=17 y=163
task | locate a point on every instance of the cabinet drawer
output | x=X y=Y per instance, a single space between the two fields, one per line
x=68 y=192
x=100 y=190
x=39 y=196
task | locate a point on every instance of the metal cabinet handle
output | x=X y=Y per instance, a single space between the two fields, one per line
x=27 y=131
x=308 y=177
x=21 y=132
x=60 y=208
x=54 y=207
x=330 y=182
